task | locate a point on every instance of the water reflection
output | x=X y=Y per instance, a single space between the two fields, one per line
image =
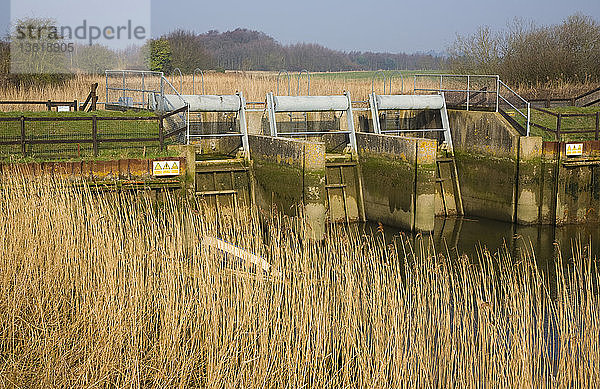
x=464 y=236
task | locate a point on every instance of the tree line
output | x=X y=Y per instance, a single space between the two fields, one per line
x=532 y=54
x=243 y=49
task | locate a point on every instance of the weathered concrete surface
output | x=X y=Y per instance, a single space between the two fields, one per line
x=343 y=188
x=226 y=181
x=486 y=150
x=228 y=146
x=529 y=184
x=578 y=189
x=290 y=175
x=398 y=180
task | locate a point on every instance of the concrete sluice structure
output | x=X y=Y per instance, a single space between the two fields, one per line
x=401 y=160
x=304 y=155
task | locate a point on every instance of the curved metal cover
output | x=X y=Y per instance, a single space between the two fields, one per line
x=409 y=102
x=213 y=103
x=310 y=103
x=207 y=103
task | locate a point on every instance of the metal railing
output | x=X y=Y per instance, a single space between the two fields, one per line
x=566 y=124
x=527 y=115
x=471 y=91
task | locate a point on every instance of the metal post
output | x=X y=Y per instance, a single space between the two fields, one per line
x=123 y=87
x=497 y=92
x=143 y=90
x=271 y=110
x=528 y=117
x=350 y=119
x=441 y=76
x=106 y=101
x=95 y=135
x=162 y=92
x=161 y=134
x=446 y=125
x=597 y=125
x=468 y=90
x=244 y=126
x=374 y=113
x=23 y=148
x=187 y=123
x=558 y=120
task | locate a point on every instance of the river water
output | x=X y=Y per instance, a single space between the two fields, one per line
x=467 y=235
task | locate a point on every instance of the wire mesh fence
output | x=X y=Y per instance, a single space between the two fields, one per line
x=85 y=136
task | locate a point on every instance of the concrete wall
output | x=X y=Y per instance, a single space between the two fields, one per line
x=486 y=150
x=290 y=175
x=508 y=177
x=398 y=180
x=578 y=187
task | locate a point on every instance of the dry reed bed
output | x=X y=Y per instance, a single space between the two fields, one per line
x=115 y=290
x=255 y=86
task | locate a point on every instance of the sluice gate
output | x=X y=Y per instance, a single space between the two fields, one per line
x=448 y=199
x=402 y=160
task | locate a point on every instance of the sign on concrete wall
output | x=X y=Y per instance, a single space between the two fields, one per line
x=165 y=168
x=574 y=149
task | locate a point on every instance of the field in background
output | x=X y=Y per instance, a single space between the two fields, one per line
x=255 y=86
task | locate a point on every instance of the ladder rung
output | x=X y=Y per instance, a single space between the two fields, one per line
x=216 y=192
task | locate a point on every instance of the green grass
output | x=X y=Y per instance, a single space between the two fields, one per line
x=100 y=113
x=80 y=129
x=567 y=123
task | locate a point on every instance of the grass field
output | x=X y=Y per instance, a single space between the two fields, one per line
x=119 y=290
x=141 y=125
x=567 y=123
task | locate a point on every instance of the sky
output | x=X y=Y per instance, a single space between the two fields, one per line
x=383 y=25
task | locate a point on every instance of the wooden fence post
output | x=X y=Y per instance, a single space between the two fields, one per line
x=94 y=96
x=95 y=135
x=49 y=105
x=23 y=147
x=161 y=133
x=597 y=125
x=75 y=105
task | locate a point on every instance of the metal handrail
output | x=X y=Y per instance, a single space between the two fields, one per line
x=373 y=80
x=194 y=80
x=180 y=78
x=392 y=75
x=308 y=78
x=498 y=84
x=289 y=81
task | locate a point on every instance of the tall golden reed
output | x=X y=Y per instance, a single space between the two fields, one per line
x=116 y=290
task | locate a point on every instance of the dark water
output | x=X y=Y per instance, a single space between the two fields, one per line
x=465 y=236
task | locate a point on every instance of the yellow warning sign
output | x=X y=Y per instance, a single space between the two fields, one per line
x=574 y=149
x=165 y=168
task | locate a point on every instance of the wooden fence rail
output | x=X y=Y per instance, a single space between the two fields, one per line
x=27 y=125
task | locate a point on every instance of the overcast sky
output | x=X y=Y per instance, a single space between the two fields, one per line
x=384 y=25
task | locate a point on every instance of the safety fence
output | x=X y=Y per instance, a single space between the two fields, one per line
x=564 y=125
x=86 y=136
x=478 y=92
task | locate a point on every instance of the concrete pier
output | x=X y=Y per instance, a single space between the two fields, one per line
x=399 y=180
